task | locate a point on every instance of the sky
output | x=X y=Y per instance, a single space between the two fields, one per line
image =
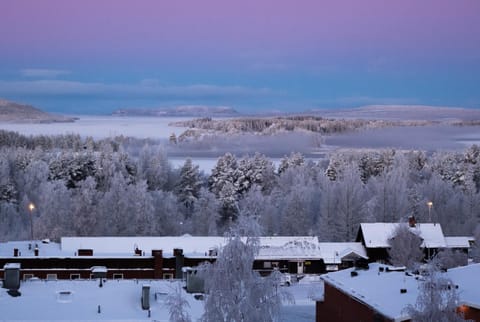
x=94 y=56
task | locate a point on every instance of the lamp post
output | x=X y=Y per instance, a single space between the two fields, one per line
x=430 y=205
x=31 y=208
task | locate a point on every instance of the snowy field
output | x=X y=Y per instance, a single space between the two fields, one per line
x=103 y=126
x=120 y=300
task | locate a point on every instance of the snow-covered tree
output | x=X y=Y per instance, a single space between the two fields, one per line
x=328 y=210
x=449 y=258
x=437 y=299
x=189 y=184
x=167 y=219
x=405 y=247
x=390 y=195
x=295 y=159
x=177 y=305
x=350 y=194
x=256 y=170
x=53 y=217
x=153 y=166
x=205 y=215
x=236 y=293
x=476 y=246
x=223 y=183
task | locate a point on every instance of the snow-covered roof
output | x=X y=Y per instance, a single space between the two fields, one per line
x=332 y=253
x=119 y=300
x=458 y=242
x=99 y=269
x=271 y=247
x=467 y=278
x=381 y=290
x=11 y=266
x=289 y=248
x=377 y=235
x=50 y=249
x=191 y=245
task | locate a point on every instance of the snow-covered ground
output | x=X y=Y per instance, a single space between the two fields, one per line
x=120 y=300
x=98 y=127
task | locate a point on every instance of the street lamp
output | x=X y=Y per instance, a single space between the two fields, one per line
x=430 y=205
x=31 y=208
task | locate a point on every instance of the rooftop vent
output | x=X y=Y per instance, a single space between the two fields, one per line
x=403 y=290
x=353 y=273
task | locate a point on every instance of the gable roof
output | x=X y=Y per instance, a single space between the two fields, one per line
x=333 y=253
x=377 y=235
x=458 y=242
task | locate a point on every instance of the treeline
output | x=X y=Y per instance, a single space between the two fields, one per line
x=271 y=125
x=111 y=188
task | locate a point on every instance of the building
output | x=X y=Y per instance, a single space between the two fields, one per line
x=164 y=257
x=375 y=237
x=381 y=293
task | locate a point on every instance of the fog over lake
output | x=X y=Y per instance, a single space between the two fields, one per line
x=206 y=152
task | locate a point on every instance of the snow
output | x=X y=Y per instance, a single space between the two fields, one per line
x=277 y=247
x=126 y=245
x=119 y=300
x=458 y=242
x=466 y=277
x=11 y=266
x=100 y=127
x=99 y=269
x=332 y=253
x=376 y=235
x=385 y=296
x=50 y=249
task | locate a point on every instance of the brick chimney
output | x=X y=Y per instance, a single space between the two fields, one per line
x=158 y=263
x=411 y=221
x=179 y=260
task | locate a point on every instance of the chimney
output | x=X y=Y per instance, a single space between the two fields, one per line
x=15 y=252
x=157 y=255
x=35 y=251
x=179 y=260
x=411 y=221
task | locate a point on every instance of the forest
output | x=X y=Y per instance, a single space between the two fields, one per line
x=122 y=187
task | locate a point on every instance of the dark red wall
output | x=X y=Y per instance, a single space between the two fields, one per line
x=470 y=313
x=340 y=307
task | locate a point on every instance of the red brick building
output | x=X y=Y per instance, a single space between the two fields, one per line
x=381 y=293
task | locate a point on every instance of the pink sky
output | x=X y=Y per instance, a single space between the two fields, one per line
x=219 y=36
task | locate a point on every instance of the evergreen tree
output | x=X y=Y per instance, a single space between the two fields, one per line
x=188 y=187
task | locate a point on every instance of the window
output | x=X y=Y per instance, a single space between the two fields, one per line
x=27 y=276
x=51 y=277
x=118 y=276
x=167 y=276
x=74 y=276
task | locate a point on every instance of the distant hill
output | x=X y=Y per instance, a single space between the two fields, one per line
x=16 y=112
x=402 y=112
x=185 y=110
